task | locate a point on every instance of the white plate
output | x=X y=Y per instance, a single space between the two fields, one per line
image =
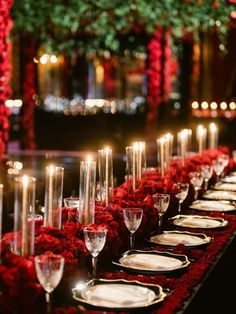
x=220 y=195
x=225 y=187
x=152 y=262
x=118 y=294
x=210 y=205
x=194 y=221
x=229 y=179
x=172 y=238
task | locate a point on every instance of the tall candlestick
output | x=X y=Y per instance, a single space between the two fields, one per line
x=106 y=175
x=50 y=195
x=87 y=188
x=213 y=136
x=183 y=143
x=25 y=210
x=162 y=143
x=134 y=154
x=201 y=138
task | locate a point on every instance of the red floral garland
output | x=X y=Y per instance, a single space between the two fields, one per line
x=170 y=67
x=154 y=74
x=5 y=70
x=27 y=114
x=160 y=69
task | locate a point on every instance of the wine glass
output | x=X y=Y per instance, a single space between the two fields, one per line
x=207 y=172
x=49 y=269
x=95 y=239
x=181 y=192
x=196 y=178
x=161 y=203
x=218 y=166
x=132 y=218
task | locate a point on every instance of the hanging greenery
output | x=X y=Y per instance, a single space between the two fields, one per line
x=97 y=26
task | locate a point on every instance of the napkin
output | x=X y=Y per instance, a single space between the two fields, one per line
x=227 y=187
x=152 y=262
x=118 y=295
x=175 y=238
x=230 y=179
x=222 y=195
x=213 y=205
x=199 y=222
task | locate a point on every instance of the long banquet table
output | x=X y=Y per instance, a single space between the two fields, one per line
x=203 y=286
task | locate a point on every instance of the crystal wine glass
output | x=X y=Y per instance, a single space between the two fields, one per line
x=196 y=178
x=181 y=192
x=207 y=172
x=49 y=269
x=218 y=166
x=132 y=218
x=161 y=203
x=95 y=240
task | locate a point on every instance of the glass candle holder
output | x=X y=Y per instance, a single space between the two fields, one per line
x=87 y=191
x=183 y=139
x=53 y=196
x=105 y=170
x=161 y=156
x=201 y=136
x=24 y=208
x=135 y=162
x=213 y=136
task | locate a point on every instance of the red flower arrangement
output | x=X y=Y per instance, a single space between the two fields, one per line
x=69 y=241
x=5 y=70
x=29 y=92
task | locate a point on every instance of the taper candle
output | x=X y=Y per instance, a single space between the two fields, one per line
x=87 y=185
x=50 y=195
x=107 y=150
x=213 y=136
x=24 y=247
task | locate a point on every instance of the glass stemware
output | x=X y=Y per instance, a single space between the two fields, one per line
x=196 y=179
x=95 y=240
x=218 y=166
x=206 y=171
x=181 y=192
x=161 y=203
x=49 y=269
x=132 y=218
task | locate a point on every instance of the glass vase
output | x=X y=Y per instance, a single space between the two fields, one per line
x=87 y=191
x=53 y=196
x=24 y=210
x=105 y=170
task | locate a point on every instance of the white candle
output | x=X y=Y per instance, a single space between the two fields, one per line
x=183 y=145
x=168 y=149
x=139 y=160
x=87 y=189
x=162 y=143
x=51 y=174
x=107 y=152
x=213 y=136
x=201 y=135
x=134 y=156
x=25 y=182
